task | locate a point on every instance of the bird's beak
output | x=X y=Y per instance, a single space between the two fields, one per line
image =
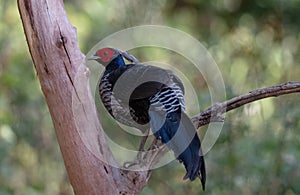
x=93 y=57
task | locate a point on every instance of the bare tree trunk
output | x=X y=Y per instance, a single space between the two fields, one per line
x=64 y=81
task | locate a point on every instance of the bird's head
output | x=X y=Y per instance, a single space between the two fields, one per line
x=106 y=55
x=112 y=56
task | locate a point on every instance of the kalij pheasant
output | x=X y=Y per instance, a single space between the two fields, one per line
x=138 y=95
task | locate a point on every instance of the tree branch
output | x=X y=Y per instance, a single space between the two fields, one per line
x=214 y=113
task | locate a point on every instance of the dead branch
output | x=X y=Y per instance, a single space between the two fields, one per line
x=214 y=113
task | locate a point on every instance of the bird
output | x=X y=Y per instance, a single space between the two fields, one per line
x=145 y=96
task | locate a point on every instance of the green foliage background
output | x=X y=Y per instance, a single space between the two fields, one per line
x=255 y=44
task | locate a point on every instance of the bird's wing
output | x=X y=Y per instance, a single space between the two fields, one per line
x=142 y=81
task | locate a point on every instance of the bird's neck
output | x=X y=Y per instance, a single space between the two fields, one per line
x=116 y=63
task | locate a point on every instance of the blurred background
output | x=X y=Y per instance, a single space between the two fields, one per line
x=255 y=44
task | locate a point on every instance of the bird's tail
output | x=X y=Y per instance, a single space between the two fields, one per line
x=178 y=132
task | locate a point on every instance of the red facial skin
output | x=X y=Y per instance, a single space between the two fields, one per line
x=105 y=54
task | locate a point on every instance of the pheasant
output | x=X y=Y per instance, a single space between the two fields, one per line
x=145 y=96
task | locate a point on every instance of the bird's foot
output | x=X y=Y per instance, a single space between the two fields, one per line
x=139 y=157
x=138 y=161
x=129 y=164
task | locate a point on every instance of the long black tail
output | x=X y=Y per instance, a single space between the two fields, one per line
x=177 y=131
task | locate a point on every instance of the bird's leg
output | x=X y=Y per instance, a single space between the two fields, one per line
x=140 y=151
x=156 y=150
x=151 y=149
x=154 y=144
x=142 y=145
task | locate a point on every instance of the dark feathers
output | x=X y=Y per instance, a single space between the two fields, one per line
x=137 y=94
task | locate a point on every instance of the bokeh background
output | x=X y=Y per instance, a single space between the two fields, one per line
x=255 y=44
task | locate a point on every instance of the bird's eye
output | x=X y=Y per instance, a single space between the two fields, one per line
x=105 y=53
